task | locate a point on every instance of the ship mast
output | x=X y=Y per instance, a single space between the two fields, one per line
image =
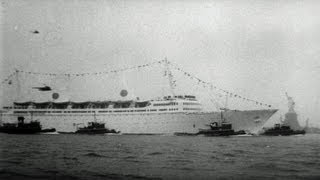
x=18 y=88
x=170 y=77
x=226 y=105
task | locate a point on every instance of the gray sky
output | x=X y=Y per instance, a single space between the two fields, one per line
x=258 y=49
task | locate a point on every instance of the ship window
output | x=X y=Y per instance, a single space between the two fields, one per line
x=19 y=112
x=37 y=111
x=191 y=109
x=166 y=104
x=103 y=111
x=140 y=110
x=79 y=111
x=191 y=97
x=190 y=103
x=119 y=111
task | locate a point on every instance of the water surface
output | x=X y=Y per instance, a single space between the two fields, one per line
x=158 y=157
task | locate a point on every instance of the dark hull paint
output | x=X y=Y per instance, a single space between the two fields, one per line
x=20 y=130
x=48 y=130
x=283 y=133
x=25 y=130
x=222 y=132
x=92 y=131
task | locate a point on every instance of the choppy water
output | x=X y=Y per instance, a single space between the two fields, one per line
x=158 y=157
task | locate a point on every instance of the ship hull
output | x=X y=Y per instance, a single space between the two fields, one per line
x=151 y=123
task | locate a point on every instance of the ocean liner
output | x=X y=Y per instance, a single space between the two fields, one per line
x=166 y=115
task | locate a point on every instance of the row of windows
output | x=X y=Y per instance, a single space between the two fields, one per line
x=19 y=112
x=166 y=104
x=82 y=107
x=192 y=109
x=78 y=111
x=157 y=104
x=138 y=110
x=171 y=109
x=190 y=103
x=37 y=112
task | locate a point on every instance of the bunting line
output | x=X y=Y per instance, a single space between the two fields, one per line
x=91 y=73
x=213 y=87
x=192 y=77
x=8 y=79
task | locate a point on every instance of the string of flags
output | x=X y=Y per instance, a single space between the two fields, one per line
x=199 y=81
x=9 y=78
x=212 y=87
x=91 y=73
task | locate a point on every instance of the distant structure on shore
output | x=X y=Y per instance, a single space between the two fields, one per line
x=291 y=117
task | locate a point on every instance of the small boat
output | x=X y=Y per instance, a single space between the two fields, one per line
x=21 y=127
x=282 y=130
x=225 y=129
x=95 y=128
x=92 y=128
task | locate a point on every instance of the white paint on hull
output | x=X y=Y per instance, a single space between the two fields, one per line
x=151 y=123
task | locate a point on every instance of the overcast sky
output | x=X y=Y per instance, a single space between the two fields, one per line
x=258 y=49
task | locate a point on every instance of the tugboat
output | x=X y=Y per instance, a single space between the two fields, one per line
x=282 y=130
x=95 y=128
x=33 y=127
x=92 y=128
x=290 y=125
x=225 y=129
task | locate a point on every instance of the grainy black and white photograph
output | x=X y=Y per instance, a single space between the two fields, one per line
x=159 y=89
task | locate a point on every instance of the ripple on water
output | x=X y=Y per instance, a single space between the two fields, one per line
x=14 y=162
x=229 y=155
x=154 y=153
x=155 y=157
x=92 y=154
